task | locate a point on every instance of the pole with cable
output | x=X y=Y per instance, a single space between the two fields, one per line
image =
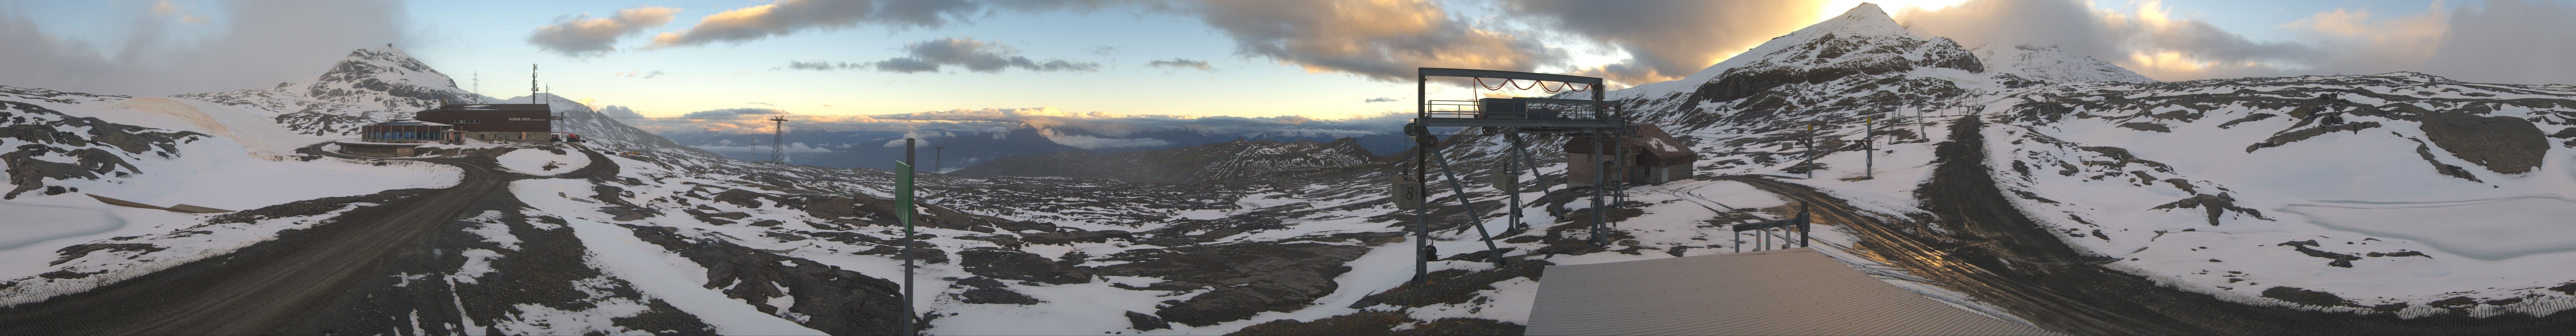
x=1811 y=150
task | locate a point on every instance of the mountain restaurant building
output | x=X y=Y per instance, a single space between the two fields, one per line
x=404 y=131
x=1647 y=155
x=496 y=122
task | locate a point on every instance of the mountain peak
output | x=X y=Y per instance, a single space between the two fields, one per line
x=380 y=77
x=1866 y=19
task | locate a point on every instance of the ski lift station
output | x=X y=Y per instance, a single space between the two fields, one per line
x=1798 y=291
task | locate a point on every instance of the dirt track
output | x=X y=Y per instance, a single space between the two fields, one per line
x=275 y=285
x=1993 y=252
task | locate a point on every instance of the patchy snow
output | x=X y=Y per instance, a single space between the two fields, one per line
x=656 y=272
x=489 y=226
x=543 y=161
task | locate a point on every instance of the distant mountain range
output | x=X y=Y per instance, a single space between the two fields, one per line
x=1239 y=161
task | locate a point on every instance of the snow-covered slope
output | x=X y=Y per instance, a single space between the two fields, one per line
x=2037 y=63
x=2430 y=189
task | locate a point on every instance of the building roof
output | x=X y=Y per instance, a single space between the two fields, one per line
x=1648 y=138
x=1782 y=292
x=493 y=107
x=408 y=122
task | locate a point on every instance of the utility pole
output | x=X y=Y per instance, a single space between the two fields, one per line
x=1869 y=147
x=906 y=194
x=1811 y=150
x=778 y=138
x=937 y=156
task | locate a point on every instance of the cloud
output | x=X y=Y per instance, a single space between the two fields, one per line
x=761 y=103
x=2509 y=42
x=1180 y=63
x=585 y=36
x=1378 y=100
x=819 y=65
x=1381 y=40
x=972 y=55
x=734 y=113
x=654 y=73
x=2151 y=41
x=1092 y=142
x=620 y=112
x=260 y=44
x=930 y=56
x=786 y=17
x=1666 y=40
x=165 y=8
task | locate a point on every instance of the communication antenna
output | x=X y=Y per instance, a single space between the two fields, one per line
x=935 y=157
x=478 y=86
x=532 y=84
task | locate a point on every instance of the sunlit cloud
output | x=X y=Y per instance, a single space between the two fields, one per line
x=786 y=17
x=584 y=36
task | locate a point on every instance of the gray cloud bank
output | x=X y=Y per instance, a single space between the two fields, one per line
x=968 y=53
x=263 y=43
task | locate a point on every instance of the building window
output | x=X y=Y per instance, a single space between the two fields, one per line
x=468 y=121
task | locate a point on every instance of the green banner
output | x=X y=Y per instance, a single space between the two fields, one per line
x=903 y=194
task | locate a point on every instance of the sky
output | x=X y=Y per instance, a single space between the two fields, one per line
x=1313 y=59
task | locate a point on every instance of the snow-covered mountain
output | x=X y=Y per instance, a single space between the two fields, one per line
x=2037 y=64
x=369 y=86
x=1239 y=161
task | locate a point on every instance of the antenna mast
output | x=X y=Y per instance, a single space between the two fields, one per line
x=532 y=84
x=478 y=87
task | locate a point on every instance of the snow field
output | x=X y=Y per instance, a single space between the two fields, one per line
x=540 y=162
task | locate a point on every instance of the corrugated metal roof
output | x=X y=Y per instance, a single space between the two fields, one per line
x=1782 y=292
